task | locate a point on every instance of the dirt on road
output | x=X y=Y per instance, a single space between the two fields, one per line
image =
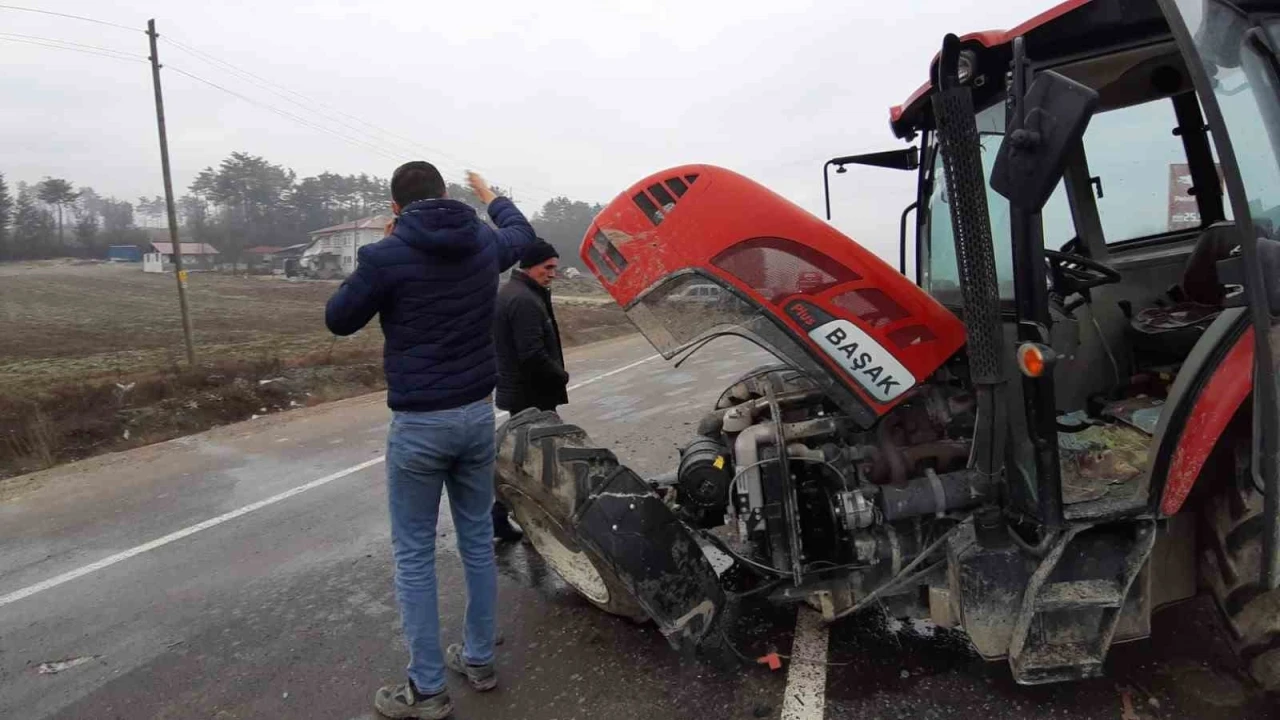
x=93 y=359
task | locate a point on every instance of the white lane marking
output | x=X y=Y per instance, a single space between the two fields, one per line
x=107 y=562
x=611 y=373
x=175 y=536
x=806 y=695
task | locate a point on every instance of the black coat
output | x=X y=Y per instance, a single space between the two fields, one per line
x=530 y=362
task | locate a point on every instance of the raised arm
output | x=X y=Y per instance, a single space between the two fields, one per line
x=514 y=231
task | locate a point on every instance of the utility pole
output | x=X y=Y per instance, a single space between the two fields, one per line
x=178 y=272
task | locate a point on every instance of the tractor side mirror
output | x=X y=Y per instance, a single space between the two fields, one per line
x=1053 y=117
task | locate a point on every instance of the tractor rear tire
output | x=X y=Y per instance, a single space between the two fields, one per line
x=1231 y=565
x=544 y=496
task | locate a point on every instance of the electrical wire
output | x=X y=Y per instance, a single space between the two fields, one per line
x=762 y=589
x=109 y=53
x=769 y=568
x=262 y=83
x=72 y=17
x=919 y=574
x=320 y=108
x=68 y=45
x=385 y=152
x=904 y=574
x=1034 y=550
x=724 y=638
x=724 y=548
x=302 y=101
x=120 y=55
x=1115 y=366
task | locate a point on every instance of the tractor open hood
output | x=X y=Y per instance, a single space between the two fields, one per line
x=698 y=251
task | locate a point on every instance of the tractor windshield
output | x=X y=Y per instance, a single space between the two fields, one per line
x=943 y=277
x=1138 y=175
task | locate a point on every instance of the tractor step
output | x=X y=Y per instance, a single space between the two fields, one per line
x=1074 y=600
x=1080 y=594
x=1059 y=663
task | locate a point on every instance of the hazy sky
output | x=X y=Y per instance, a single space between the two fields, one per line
x=569 y=97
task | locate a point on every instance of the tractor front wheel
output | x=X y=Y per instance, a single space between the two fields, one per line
x=544 y=496
x=605 y=531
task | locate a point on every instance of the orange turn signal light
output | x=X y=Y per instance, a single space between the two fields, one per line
x=1034 y=359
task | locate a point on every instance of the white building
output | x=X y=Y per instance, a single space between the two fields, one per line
x=195 y=256
x=333 y=249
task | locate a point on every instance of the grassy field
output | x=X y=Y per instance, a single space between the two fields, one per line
x=92 y=358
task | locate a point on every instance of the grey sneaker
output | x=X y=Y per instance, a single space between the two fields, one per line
x=482 y=677
x=404 y=701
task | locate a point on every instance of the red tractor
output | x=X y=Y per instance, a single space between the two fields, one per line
x=1065 y=421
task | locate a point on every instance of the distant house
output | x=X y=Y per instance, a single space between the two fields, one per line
x=276 y=260
x=332 y=252
x=288 y=261
x=261 y=259
x=124 y=253
x=195 y=256
x=263 y=251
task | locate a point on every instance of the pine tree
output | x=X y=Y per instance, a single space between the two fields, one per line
x=32 y=226
x=58 y=193
x=6 y=217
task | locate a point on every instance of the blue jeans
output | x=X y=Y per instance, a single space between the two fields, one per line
x=426 y=451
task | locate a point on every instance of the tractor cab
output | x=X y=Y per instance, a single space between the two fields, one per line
x=1087 y=203
x=1150 y=256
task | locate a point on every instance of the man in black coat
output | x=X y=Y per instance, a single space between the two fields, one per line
x=530 y=362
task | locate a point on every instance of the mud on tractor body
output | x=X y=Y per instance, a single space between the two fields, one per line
x=1047 y=435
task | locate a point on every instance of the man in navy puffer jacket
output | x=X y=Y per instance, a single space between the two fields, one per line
x=433 y=282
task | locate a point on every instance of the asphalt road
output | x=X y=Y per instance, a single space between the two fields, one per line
x=246 y=573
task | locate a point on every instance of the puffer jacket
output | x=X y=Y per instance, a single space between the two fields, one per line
x=433 y=284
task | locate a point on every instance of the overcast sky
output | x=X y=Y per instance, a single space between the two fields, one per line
x=579 y=98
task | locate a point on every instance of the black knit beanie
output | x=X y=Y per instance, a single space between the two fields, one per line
x=538 y=252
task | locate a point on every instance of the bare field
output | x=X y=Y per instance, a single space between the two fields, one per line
x=92 y=357
x=90 y=322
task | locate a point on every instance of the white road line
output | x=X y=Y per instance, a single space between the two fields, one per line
x=806 y=695
x=175 y=536
x=611 y=373
x=107 y=562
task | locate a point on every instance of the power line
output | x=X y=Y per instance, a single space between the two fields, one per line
x=316 y=106
x=385 y=152
x=306 y=102
x=68 y=45
x=369 y=140
x=121 y=55
x=70 y=16
x=56 y=44
x=283 y=93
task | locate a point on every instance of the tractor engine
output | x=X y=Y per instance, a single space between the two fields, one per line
x=804 y=490
x=844 y=459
